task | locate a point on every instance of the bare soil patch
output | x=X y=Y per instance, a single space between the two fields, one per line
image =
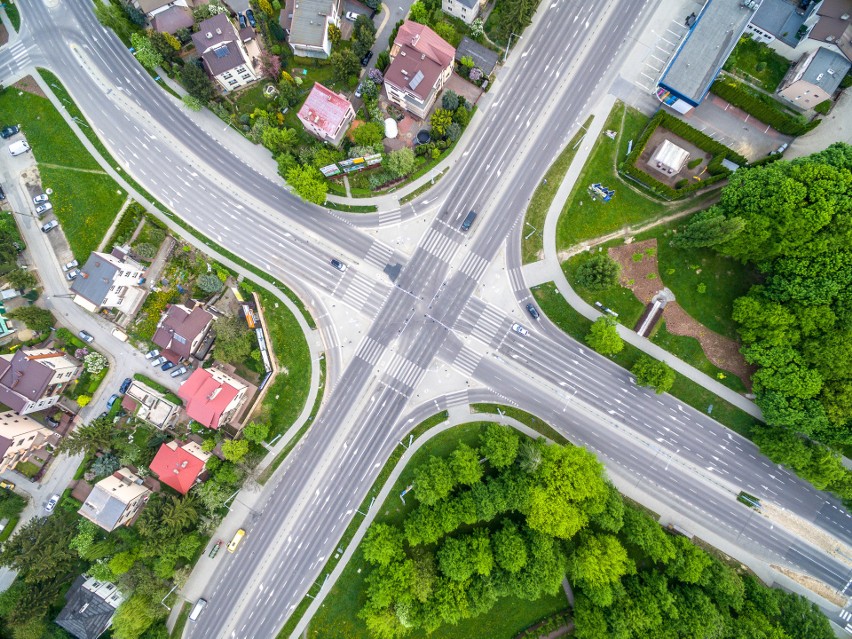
x=29 y=85
x=813 y=584
x=643 y=278
x=807 y=531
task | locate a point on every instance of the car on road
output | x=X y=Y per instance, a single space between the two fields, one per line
x=236 y=540
x=520 y=330
x=86 y=337
x=215 y=549
x=197 y=609
x=366 y=59
x=340 y=266
x=111 y=401
x=167 y=366
x=49 y=226
x=41 y=209
x=533 y=311
x=243 y=21
x=7 y=485
x=178 y=371
x=51 y=504
x=72 y=264
x=125 y=385
x=468 y=221
x=158 y=361
x=250 y=18
x=39 y=199
x=72 y=274
x=351 y=16
x=9 y=131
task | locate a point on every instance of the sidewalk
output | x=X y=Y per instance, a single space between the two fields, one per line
x=550 y=269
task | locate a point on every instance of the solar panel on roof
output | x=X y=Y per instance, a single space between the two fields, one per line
x=416 y=80
x=221 y=52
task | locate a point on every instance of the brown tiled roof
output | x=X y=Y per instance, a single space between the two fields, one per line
x=420 y=55
x=172 y=19
x=179 y=329
x=22 y=380
x=220 y=51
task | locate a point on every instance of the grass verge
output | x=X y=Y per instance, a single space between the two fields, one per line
x=9 y=528
x=351 y=208
x=532 y=246
x=183 y=616
x=14 y=15
x=420 y=190
x=524 y=417
x=565 y=317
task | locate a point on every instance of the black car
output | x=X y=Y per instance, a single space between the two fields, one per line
x=340 y=266
x=250 y=17
x=125 y=385
x=2 y=193
x=533 y=311
x=366 y=59
x=9 y=131
x=242 y=19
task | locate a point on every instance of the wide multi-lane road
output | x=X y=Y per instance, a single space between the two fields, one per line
x=421 y=306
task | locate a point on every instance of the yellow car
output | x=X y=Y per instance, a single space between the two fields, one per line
x=7 y=485
x=236 y=540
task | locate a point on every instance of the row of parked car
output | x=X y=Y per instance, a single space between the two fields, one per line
x=158 y=360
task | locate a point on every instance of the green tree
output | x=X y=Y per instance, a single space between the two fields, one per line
x=235 y=449
x=689 y=564
x=308 y=183
x=197 y=83
x=646 y=534
x=134 y=616
x=708 y=228
x=499 y=444
x=510 y=549
x=450 y=100
x=440 y=120
x=433 y=480
x=334 y=34
x=598 y=562
x=41 y=549
x=234 y=340
x=368 y=134
x=382 y=545
x=279 y=140
x=288 y=92
x=145 y=52
x=180 y=513
x=400 y=162
x=209 y=283
x=90 y=438
x=37 y=319
x=94 y=363
x=344 y=64
x=363 y=36
x=193 y=104
x=603 y=336
x=598 y=272
x=654 y=373
x=21 y=279
x=256 y=432
x=465 y=466
x=419 y=13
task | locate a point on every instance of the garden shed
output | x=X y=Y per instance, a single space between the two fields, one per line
x=669 y=158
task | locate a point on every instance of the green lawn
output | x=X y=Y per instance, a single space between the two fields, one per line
x=532 y=245
x=758 y=63
x=337 y=617
x=684 y=270
x=183 y=616
x=14 y=15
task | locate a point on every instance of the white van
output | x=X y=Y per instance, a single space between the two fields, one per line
x=19 y=147
x=196 y=610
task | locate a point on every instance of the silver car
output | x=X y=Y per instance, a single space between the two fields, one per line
x=157 y=361
x=520 y=330
x=40 y=199
x=72 y=274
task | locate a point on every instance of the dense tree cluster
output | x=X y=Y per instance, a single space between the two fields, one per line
x=533 y=514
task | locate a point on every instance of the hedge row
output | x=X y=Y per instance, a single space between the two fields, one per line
x=763 y=107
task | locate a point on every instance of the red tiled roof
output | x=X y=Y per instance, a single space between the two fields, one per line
x=324 y=109
x=420 y=58
x=176 y=467
x=425 y=41
x=205 y=398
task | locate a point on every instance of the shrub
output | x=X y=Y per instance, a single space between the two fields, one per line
x=693 y=163
x=763 y=107
x=823 y=107
x=209 y=283
x=145 y=251
x=680 y=184
x=450 y=100
x=598 y=273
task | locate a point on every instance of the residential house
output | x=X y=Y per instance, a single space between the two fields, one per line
x=90 y=607
x=326 y=114
x=789 y=21
x=179 y=465
x=483 y=58
x=110 y=280
x=223 y=52
x=150 y=405
x=19 y=437
x=33 y=379
x=115 y=500
x=181 y=331
x=814 y=78
x=466 y=10
x=212 y=397
x=421 y=63
x=306 y=24
x=835 y=25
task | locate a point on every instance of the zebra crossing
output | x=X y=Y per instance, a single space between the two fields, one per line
x=457 y=398
x=18 y=54
x=516 y=279
x=467 y=360
x=438 y=244
x=404 y=371
x=474 y=266
x=389 y=218
x=360 y=293
x=379 y=255
x=370 y=350
x=487 y=322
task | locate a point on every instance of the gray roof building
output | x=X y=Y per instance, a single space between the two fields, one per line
x=814 y=78
x=783 y=19
x=705 y=48
x=32 y=379
x=482 y=56
x=115 y=500
x=216 y=42
x=95 y=279
x=90 y=607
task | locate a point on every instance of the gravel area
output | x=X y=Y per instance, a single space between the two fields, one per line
x=814 y=585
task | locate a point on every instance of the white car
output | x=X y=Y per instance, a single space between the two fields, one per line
x=152 y=353
x=51 y=504
x=70 y=265
x=351 y=16
x=46 y=228
x=72 y=274
x=520 y=330
x=178 y=371
x=157 y=361
x=41 y=209
x=40 y=199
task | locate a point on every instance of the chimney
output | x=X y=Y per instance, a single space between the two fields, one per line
x=30 y=358
x=218 y=31
x=209 y=35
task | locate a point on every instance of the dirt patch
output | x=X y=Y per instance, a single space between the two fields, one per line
x=814 y=585
x=4 y=35
x=807 y=531
x=29 y=85
x=643 y=278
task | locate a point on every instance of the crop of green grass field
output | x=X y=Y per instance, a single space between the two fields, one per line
x=758 y=63
x=337 y=617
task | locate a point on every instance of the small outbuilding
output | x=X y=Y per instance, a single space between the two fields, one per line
x=669 y=158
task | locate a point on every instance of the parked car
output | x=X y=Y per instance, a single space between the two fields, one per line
x=351 y=15
x=41 y=209
x=51 y=504
x=72 y=264
x=19 y=147
x=340 y=266
x=243 y=21
x=111 y=401
x=250 y=17
x=125 y=385
x=215 y=549
x=366 y=59
x=167 y=366
x=158 y=361
x=2 y=193
x=7 y=485
x=358 y=89
x=46 y=228
x=72 y=274
x=39 y=199
x=533 y=311
x=86 y=337
x=178 y=372
x=520 y=330
x=152 y=353
x=9 y=131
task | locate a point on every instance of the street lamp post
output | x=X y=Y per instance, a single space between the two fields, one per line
x=506 y=55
